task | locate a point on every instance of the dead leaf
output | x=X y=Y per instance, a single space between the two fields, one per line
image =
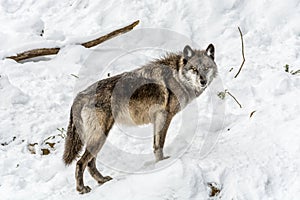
x=45 y=151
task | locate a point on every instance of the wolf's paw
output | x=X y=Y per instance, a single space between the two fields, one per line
x=162 y=158
x=105 y=179
x=159 y=155
x=84 y=189
x=166 y=157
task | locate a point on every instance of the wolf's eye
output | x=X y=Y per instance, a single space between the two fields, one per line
x=194 y=69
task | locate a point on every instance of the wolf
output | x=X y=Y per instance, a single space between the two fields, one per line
x=153 y=93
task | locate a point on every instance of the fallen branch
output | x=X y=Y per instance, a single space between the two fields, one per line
x=34 y=53
x=51 y=51
x=243 y=53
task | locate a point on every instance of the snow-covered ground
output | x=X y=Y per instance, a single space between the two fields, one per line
x=255 y=157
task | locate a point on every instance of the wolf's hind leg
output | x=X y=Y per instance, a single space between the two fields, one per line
x=80 y=167
x=95 y=173
x=93 y=146
x=96 y=142
x=97 y=131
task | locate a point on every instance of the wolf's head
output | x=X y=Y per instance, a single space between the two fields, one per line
x=198 y=68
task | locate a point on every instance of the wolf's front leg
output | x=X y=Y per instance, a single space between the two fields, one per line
x=161 y=124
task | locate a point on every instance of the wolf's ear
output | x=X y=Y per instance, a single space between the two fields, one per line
x=188 y=53
x=210 y=50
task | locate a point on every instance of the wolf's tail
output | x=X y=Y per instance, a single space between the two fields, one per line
x=73 y=143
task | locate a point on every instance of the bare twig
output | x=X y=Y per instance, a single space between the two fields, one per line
x=251 y=114
x=296 y=72
x=74 y=75
x=287 y=69
x=226 y=91
x=222 y=95
x=50 y=51
x=243 y=53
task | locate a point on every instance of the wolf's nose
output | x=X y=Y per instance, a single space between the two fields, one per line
x=203 y=82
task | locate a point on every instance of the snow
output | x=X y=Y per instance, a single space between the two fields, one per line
x=212 y=142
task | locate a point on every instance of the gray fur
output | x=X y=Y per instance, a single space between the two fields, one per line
x=73 y=143
x=153 y=94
